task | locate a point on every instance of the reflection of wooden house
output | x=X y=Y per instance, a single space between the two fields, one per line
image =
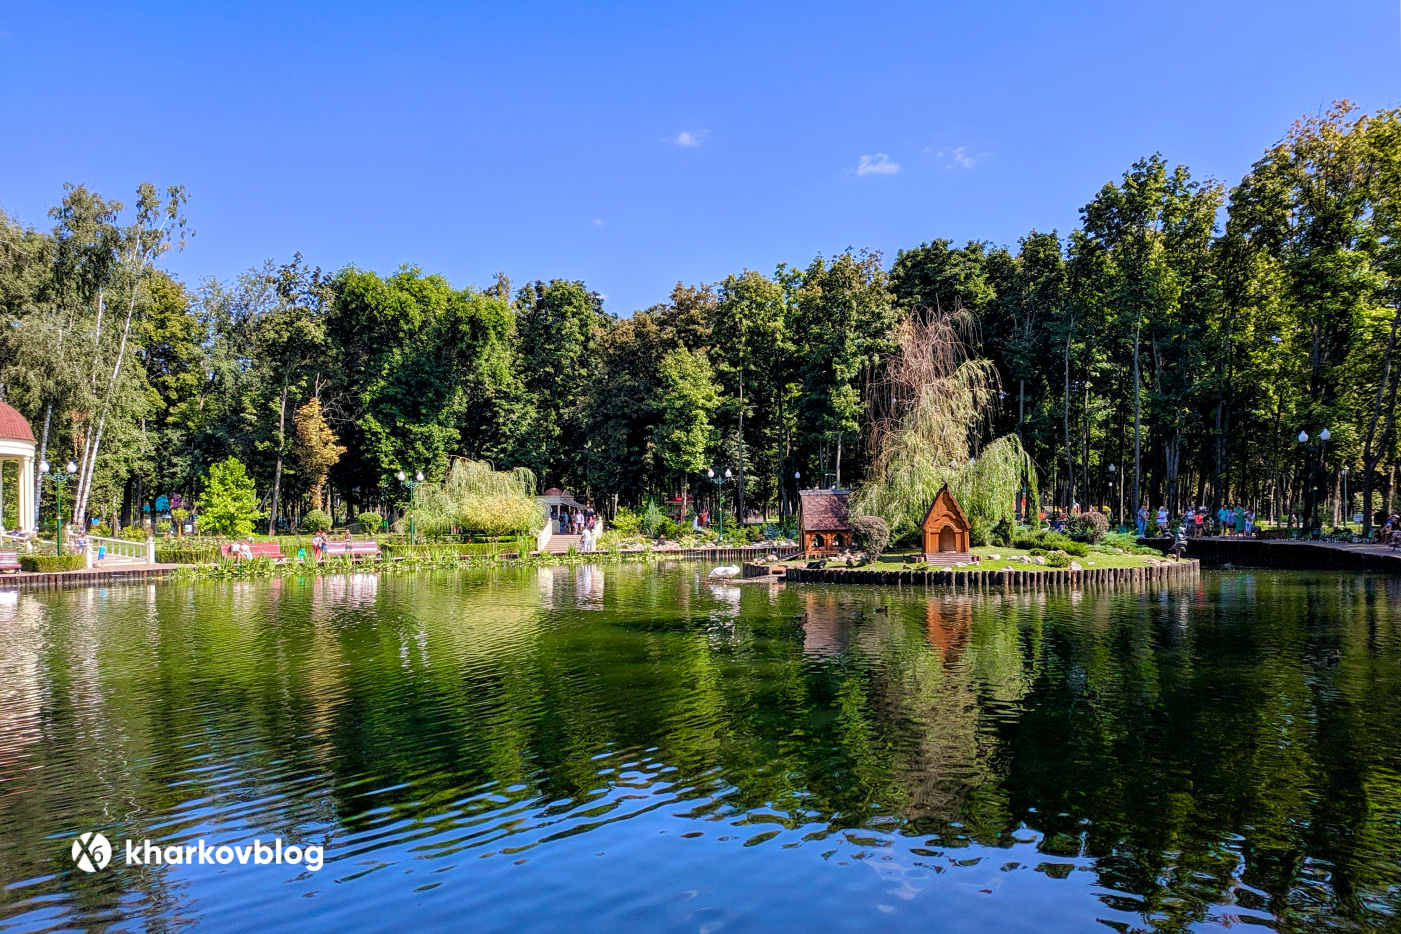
x=947 y=624
x=945 y=529
x=824 y=523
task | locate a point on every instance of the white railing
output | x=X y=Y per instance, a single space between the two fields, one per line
x=11 y=541
x=121 y=550
x=542 y=538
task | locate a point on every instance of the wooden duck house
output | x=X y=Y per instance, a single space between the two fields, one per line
x=824 y=526
x=945 y=529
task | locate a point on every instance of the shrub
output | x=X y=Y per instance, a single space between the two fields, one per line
x=187 y=552
x=908 y=538
x=1088 y=527
x=652 y=518
x=1057 y=559
x=1050 y=541
x=1002 y=532
x=1127 y=542
x=626 y=523
x=369 y=522
x=979 y=532
x=133 y=533
x=49 y=564
x=667 y=528
x=869 y=534
x=315 y=521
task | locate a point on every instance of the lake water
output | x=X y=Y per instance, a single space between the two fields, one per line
x=633 y=748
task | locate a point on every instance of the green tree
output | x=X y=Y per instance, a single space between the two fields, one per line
x=842 y=325
x=405 y=350
x=229 y=504
x=556 y=326
x=749 y=351
x=686 y=402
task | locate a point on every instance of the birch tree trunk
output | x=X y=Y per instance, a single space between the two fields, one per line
x=90 y=462
x=281 y=445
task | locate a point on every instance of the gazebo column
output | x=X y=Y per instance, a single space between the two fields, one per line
x=28 y=513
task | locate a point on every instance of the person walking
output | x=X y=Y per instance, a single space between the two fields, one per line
x=1162 y=520
x=1142 y=520
x=1223 y=520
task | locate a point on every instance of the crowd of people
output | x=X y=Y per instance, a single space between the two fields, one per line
x=1228 y=521
x=585 y=523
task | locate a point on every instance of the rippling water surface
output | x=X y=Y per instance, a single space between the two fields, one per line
x=633 y=748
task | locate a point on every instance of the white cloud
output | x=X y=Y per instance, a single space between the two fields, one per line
x=879 y=164
x=599 y=223
x=689 y=137
x=962 y=159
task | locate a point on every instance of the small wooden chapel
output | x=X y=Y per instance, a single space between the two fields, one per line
x=945 y=530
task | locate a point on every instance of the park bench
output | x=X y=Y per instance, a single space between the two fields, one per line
x=9 y=561
x=353 y=549
x=259 y=550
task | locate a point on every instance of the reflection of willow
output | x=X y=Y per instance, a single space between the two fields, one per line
x=908 y=717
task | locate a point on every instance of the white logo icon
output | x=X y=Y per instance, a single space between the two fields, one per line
x=92 y=852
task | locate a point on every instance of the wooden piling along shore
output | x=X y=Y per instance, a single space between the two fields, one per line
x=56 y=580
x=969 y=578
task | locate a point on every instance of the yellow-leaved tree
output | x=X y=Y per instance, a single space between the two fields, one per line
x=315 y=448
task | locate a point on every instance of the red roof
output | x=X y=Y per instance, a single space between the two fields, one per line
x=13 y=425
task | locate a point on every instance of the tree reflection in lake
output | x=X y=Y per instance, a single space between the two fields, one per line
x=1158 y=758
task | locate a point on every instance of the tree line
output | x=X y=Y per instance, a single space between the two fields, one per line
x=1187 y=333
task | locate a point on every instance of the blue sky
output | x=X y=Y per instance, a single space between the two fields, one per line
x=632 y=145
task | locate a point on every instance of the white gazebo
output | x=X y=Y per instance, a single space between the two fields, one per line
x=17 y=444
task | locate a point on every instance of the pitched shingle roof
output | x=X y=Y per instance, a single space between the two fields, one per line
x=825 y=510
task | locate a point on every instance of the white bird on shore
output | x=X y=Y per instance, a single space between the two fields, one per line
x=725 y=570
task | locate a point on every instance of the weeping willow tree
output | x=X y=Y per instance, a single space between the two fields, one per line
x=475 y=498
x=927 y=409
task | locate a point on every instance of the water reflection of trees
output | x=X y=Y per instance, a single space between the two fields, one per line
x=1199 y=752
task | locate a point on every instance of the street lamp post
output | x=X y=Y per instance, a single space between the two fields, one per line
x=1347 y=502
x=1314 y=468
x=59 y=480
x=719 y=499
x=1119 y=508
x=412 y=485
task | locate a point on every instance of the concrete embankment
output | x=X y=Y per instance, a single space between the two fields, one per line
x=960 y=577
x=1287 y=555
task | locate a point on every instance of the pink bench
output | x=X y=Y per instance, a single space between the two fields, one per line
x=353 y=549
x=9 y=561
x=258 y=549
